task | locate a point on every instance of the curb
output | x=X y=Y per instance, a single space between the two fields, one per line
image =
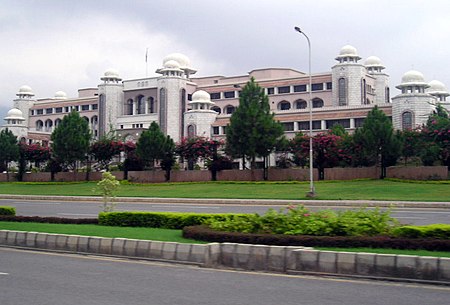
x=325 y=203
x=275 y=259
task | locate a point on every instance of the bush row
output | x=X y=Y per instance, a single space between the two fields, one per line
x=428 y=231
x=6 y=210
x=166 y=220
x=59 y=220
x=204 y=233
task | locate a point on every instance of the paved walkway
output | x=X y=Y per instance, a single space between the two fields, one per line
x=325 y=203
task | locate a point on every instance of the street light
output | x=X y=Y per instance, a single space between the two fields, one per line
x=312 y=192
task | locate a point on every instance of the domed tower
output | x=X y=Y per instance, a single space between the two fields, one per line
x=438 y=90
x=413 y=105
x=110 y=100
x=199 y=118
x=348 y=78
x=172 y=94
x=15 y=122
x=60 y=95
x=375 y=68
x=24 y=102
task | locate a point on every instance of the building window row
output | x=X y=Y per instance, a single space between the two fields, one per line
x=66 y=109
x=49 y=125
x=298 y=88
x=140 y=105
x=299 y=104
x=229 y=109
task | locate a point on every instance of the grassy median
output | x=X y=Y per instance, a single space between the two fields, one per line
x=326 y=190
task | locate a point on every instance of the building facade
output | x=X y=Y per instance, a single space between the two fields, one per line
x=184 y=105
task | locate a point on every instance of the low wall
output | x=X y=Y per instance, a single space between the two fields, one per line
x=418 y=172
x=350 y=173
x=290 y=260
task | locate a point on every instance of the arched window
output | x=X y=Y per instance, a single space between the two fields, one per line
x=300 y=104
x=140 y=105
x=284 y=105
x=191 y=131
x=151 y=105
x=317 y=103
x=216 y=109
x=129 y=107
x=342 y=92
x=229 y=109
x=39 y=125
x=57 y=122
x=48 y=125
x=407 y=120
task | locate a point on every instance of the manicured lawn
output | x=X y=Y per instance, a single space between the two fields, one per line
x=331 y=190
x=389 y=251
x=101 y=231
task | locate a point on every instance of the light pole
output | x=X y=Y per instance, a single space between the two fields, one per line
x=312 y=191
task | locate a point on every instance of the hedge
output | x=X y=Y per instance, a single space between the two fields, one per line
x=428 y=231
x=58 y=220
x=166 y=220
x=204 y=233
x=7 y=210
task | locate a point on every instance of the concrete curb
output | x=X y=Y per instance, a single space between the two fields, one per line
x=280 y=259
x=325 y=203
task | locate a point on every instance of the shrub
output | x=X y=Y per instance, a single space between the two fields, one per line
x=441 y=231
x=59 y=220
x=6 y=210
x=167 y=220
x=300 y=221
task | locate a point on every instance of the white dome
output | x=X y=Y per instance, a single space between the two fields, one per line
x=436 y=86
x=373 y=61
x=111 y=73
x=61 y=95
x=200 y=96
x=14 y=113
x=25 y=90
x=348 y=50
x=172 y=64
x=413 y=77
x=181 y=59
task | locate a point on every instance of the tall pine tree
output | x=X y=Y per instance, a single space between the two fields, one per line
x=252 y=132
x=152 y=145
x=9 y=150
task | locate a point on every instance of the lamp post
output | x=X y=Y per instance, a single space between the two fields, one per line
x=312 y=192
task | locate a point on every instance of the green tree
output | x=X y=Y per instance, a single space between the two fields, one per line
x=168 y=159
x=151 y=145
x=378 y=141
x=71 y=140
x=9 y=149
x=252 y=132
x=108 y=187
x=436 y=135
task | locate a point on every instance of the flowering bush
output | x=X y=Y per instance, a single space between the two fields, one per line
x=104 y=150
x=36 y=153
x=198 y=148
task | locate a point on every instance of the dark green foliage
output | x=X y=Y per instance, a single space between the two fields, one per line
x=60 y=220
x=428 y=231
x=153 y=145
x=252 y=132
x=166 y=220
x=205 y=233
x=6 y=210
x=71 y=140
x=9 y=150
x=436 y=134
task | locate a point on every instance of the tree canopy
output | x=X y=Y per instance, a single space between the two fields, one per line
x=9 y=149
x=152 y=145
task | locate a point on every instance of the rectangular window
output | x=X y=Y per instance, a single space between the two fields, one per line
x=329 y=85
x=215 y=95
x=317 y=87
x=344 y=123
x=300 y=88
x=84 y=107
x=303 y=125
x=121 y=126
x=189 y=97
x=359 y=122
x=285 y=89
x=58 y=110
x=40 y=111
x=94 y=106
x=288 y=126
x=49 y=110
x=224 y=129
x=66 y=109
x=215 y=130
x=270 y=91
x=229 y=94
x=32 y=112
x=317 y=125
x=77 y=108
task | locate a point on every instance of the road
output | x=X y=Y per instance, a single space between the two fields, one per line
x=84 y=209
x=28 y=277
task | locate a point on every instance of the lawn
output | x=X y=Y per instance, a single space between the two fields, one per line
x=326 y=190
x=166 y=235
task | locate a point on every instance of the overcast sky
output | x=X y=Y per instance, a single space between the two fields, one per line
x=68 y=44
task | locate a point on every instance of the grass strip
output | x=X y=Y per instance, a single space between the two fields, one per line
x=290 y=190
x=388 y=251
x=101 y=231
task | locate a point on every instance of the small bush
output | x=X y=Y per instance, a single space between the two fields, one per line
x=6 y=210
x=441 y=231
x=166 y=220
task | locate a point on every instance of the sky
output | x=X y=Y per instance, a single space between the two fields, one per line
x=66 y=44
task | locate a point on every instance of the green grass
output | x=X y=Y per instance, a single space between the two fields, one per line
x=326 y=190
x=389 y=251
x=101 y=231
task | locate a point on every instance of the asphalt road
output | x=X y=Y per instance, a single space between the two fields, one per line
x=28 y=277
x=80 y=209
